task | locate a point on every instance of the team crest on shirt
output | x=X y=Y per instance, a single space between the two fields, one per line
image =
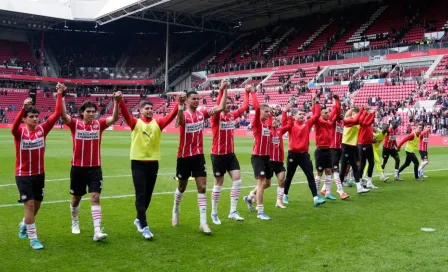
x=200 y=117
x=39 y=133
x=95 y=126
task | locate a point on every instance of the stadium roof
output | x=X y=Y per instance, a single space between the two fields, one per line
x=211 y=15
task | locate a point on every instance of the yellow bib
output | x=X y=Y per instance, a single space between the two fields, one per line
x=145 y=141
x=379 y=136
x=350 y=135
x=412 y=146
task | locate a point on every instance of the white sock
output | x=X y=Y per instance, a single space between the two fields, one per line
x=337 y=180
x=252 y=194
x=369 y=180
x=315 y=198
x=328 y=183
x=317 y=180
x=177 y=198
x=75 y=212
x=234 y=195
x=423 y=165
x=260 y=208
x=31 y=231
x=216 y=193
x=202 y=203
x=96 y=215
x=280 y=193
x=359 y=186
x=396 y=173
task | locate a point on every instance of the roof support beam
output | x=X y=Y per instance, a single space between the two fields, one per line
x=184 y=20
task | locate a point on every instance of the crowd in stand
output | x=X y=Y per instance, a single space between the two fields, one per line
x=25 y=66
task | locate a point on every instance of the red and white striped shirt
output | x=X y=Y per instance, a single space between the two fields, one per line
x=337 y=131
x=261 y=132
x=277 y=152
x=191 y=137
x=223 y=126
x=423 y=142
x=87 y=142
x=30 y=144
x=391 y=139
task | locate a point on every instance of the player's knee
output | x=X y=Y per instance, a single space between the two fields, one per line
x=267 y=184
x=95 y=198
x=29 y=204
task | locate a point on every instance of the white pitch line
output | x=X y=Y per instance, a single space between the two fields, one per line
x=172 y=174
x=126 y=196
x=167 y=193
x=113 y=176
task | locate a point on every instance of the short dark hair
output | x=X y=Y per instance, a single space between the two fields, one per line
x=29 y=110
x=84 y=106
x=87 y=104
x=190 y=93
x=144 y=103
x=356 y=109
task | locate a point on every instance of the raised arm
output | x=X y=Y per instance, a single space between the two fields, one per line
x=164 y=121
x=410 y=137
x=65 y=117
x=352 y=121
x=49 y=124
x=316 y=111
x=336 y=110
x=221 y=91
x=114 y=118
x=222 y=105
x=368 y=121
x=237 y=113
x=256 y=122
x=180 y=111
x=130 y=120
x=15 y=130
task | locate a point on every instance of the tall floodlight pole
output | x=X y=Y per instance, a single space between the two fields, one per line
x=166 y=52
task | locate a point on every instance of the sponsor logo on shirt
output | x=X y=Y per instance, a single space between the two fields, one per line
x=227 y=125
x=425 y=140
x=276 y=140
x=194 y=127
x=265 y=132
x=392 y=138
x=87 y=135
x=33 y=144
x=339 y=129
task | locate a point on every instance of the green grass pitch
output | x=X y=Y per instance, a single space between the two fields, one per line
x=379 y=231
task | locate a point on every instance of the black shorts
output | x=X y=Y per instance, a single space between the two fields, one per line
x=224 y=163
x=193 y=166
x=31 y=187
x=335 y=158
x=423 y=154
x=277 y=167
x=82 y=177
x=322 y=159
x=262 y=166
x=350 y=153
x=389 y=152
